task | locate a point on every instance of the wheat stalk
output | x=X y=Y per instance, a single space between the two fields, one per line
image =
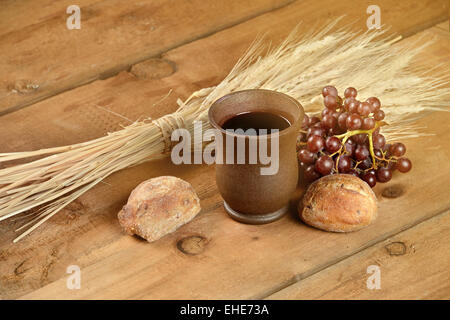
x=299 y=67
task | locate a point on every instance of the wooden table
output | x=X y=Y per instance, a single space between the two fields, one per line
x=55 y=85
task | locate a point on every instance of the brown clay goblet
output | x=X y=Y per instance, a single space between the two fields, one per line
x=250 y=196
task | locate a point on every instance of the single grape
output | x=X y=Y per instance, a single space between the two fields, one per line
x=353 y=106
x=350 y=92
x=397 y=149
x=329 y=90
x=342 y=120
x=378 y=141
x=353 y=139
x=328 y=121
x=378 y=153
x=372 y=172
x=361 y=152
x=324 y=165
x=360 y=138
x=326 y=111
x=347 y=102
x=368 y=123
x=303 y=136
x=332 y=144
x=374 y=103
x=378 y=115
x=330 y=102
x=403 y=165
x=344 y=164
x=310 y=173
x=350 y=147
x=313 y=120
x=353 y=122
x=315 y=143
x=314 y=131
x=391 y=165
x=384 y=174
x=306 y=156
x=364 y=109
x=335 y=131
x=365 y=164
x=370 y=179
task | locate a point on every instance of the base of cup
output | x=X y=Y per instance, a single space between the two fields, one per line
x=253 y=218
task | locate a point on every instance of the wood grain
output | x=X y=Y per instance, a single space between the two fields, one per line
x=117 y=34
x=12 y=18
x=114 y=35
x=414 y=264
x=235 y=261
x=225 y=259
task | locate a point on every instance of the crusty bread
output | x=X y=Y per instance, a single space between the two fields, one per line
x=339 y=203
x=159 y=206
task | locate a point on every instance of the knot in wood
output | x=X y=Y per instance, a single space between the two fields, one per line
x=392 y=192
x=396 y=248
x=24 y=86
x=192 y=245
x=153 y=69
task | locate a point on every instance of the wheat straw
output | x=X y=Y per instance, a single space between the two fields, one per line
x=299 y=67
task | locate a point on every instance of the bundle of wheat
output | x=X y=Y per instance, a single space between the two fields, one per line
x=299 y=67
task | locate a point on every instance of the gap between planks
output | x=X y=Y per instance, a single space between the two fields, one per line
x=302 y=276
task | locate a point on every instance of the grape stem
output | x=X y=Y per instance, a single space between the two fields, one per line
x=345 y=136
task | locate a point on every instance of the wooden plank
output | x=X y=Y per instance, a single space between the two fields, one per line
x=268 y=256
x=414 y=264
x=233 y=260
x=132 y=31
x=12 y=17
x=113 y=35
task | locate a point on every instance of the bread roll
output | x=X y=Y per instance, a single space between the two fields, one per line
x=339 y=203
x=159 y=206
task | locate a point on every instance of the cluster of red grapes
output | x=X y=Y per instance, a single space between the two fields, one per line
x=346 y=139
